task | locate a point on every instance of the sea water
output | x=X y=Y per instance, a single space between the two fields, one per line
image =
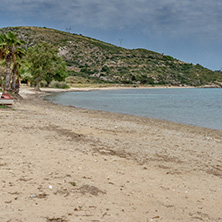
x=200 y=107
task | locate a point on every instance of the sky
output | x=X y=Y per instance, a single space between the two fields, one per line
x=189 y=30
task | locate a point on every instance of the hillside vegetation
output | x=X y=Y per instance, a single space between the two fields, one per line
x=93 y=61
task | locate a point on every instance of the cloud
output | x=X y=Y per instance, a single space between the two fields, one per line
x=170 y=17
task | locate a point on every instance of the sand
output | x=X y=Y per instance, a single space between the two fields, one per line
x=63 y=164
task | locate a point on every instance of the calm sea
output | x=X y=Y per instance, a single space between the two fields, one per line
x=200 y=107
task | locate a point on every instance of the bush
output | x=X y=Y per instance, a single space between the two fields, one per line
x=105 y=69
x=123 y=70
x=59 y=85
x=168 y=58
x=73 y=73
x=43 y=84
x=86 y=71
x=143 y=79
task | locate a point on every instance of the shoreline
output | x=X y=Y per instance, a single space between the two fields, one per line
x=61 y=163
x=48 y=91
x=27 y=92
x=76 y=89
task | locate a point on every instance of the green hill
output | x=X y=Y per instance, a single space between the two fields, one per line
x=90 y=60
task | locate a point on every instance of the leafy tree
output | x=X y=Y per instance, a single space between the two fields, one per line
x=24 y=70
x=45 y=64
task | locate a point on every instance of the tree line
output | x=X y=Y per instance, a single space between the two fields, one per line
x=34 y=64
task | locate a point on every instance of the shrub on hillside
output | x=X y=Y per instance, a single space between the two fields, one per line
x=59 y=85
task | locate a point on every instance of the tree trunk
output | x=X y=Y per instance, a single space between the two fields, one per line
x=8 y=73
x=47 y=83
x=38 y=82
x=17 y=86
x=14 y=71
x=37 y=87
x=1 y=82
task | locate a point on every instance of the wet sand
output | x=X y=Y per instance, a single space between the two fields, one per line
x=64 y=164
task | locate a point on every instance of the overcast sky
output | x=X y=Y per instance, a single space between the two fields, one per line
x=189 y=30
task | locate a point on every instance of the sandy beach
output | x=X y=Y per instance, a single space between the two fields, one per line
x=63 y=164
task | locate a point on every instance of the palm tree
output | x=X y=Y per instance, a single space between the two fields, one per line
x=2 y=72
x=2 y=57
x=8 y=50
x=17 y=56
x=2 y=47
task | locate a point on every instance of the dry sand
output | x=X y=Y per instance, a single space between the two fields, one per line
x=63 y=164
